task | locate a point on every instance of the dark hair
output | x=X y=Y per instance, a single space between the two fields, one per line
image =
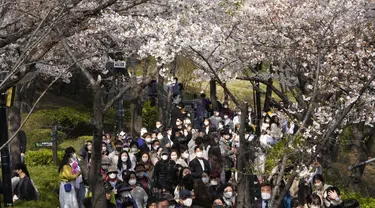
x=266 y=184
x=21 y=166
x=118 y=142
x=350 y=203
x=68 y=153
x=201 y=192
x=120 y=163
x=177 y=151
x=313 y=199
x=319 y=177
x=127 y=176
x=197 y=147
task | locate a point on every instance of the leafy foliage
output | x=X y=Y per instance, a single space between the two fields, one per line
x=43 y=157
x=42 y=135
x=76 y=143
x=150 y=115
x=365 y=202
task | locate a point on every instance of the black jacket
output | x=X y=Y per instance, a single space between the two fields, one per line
x=165 y=175
x=196 y=167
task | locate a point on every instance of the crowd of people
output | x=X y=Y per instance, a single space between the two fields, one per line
x=190 y=164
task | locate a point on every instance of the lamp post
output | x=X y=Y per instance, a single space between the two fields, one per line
x=5 y=159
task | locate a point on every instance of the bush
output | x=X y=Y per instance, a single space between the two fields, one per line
x=76 y=143
x=42 y=135
x=150 y=114
x=43 y=157
x=364 y=202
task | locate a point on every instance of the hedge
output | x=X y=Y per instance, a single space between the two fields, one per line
x=43 y=157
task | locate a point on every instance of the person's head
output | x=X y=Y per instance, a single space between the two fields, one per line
x=140 y=169
x=104 y=147
x=215 y=178
x=118 y=145
x=112 y=173
x=185 y=198
x=332 y=196
x=147 y=138
x=69 y=154
x=206 y=122
x=351 y=203
x=218 y=201
x=151 y=204
x=198 y=151
x=164 y=155
x=185 y=171
x=153 y=135
x=158 y=124
x=108 y=191
x=266 y=191
x=228 y=191
x=106 y=162
x=134 y=147
x=21 y=170
x=159 y=136
x=156 y=145
x=313 y=201
x=178 y=122
x=145 y=158
x=225 y=104
x=132 y=178
x=318 y=181
x=88 y=146
x=205 y=178
x=174 y=155
x=163 y=203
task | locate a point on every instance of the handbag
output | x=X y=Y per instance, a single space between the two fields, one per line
x=68 y=187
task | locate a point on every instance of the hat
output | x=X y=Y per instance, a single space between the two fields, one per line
x=134 y=143
x=124 y=188
x=112 y=169
x=106 y=161
x=215 y=174
x=184 y=194
x=140 y=168
x=165 y=152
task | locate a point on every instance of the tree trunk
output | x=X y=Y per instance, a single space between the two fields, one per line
x=267 y=100
x=95 y=178
x=14 y=124
x=136 y=115
x=161 y=99
x=213 y=96
x=245 y=198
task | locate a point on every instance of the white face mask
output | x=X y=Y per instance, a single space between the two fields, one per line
x=314 y=206
x=186 y=133
x=228 y=195
x=112 y=175
x=225 y=117
x=148 y=140
x=134 y=149
x=104 y=149
x=158 y=126
x=132 y=181
x=220 y=126
x=174 y=157
x=188 y=202
x=156 y=147
x=225 y=106
x=205 y=180
x=74 y=156
x=124 y=158
x=216 y=113
x=185 y=155
x=214 y=182
x=266 y=196
x=169 y=132
x=164 y=157
x=178 y=123
x=199 y=154
x=160 y=137
x=206 y=123
x=187 y=121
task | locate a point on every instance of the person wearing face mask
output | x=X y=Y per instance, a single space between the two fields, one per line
x=115 y=154
x=226 y=111
x=124 y=164
x=164 y=176
x=147 y=146
x=159 y=126
x=228 y=121
x=177 y=112
x=176 y=157
x=106 y=162
x=113 y=180
x=319 y=185
x=138 y=193
x=85 y=151
x=207 y=127
x=229 y=197
x=205 y=179
x=265 y=201
x=68 y=175
x=142 y=179
x=220 y=126
x=184 y=139
x=199 y=165
x=185 y=199
x=228 y=151
x=215 y=119
x=24 y=190
x=146 y=161
x=104 y=151
x=266 y=141
x=216 y=187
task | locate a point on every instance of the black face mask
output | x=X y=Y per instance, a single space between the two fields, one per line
x=118 y=149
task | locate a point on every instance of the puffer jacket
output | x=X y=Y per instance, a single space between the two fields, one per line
x=165 y=175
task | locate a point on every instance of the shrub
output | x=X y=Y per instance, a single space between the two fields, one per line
x=150 y=114
x=43 y=157
x=364 y=202
x=42 y=135
x=76 y=143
